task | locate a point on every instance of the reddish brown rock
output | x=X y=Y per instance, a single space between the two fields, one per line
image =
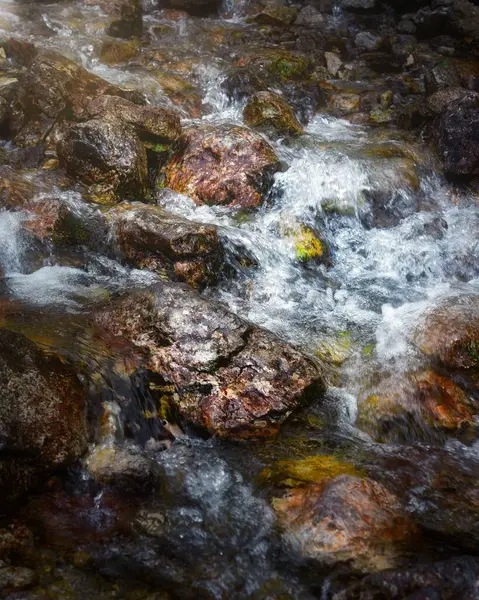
x=151 y=238
x=346 y=520
x=230 y=378
x=449 y=332
x=415 y=406
x=225 y=165
x=42 y=414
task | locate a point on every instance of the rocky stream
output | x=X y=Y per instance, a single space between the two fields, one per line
x=239 y=317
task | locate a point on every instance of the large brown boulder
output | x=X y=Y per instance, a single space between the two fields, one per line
x=225 y=165
x=449 y=332
x=52 y=89
x=231 y=378
x=107 y=155
x=346 y=520
x=42 y=414
x=151 y=123
x=151 y=238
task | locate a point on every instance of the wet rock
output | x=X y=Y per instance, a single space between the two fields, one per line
x=421 y=406
x=275 y=14
x=154 y=124
x=269 y=112
x=15 y=578
x=309 y=16
x=16 y=542
x=438 y=101
x=346 y=520
x=457 y=136
x=441 y=76
x=127 y=21
x=205 y=536
x=55 y=88
x=357 y=5
x=42 y=414
x=114 y=52
x=124 y=468
x=224 y=165
x=107 y=155
x=312 y=469
x=194 y=7
x=333 y=63
x=365 y=40
x=230 y=378
x=465 y=22
x=446 y=580
x=151 y=238
x=64 y=221
x=449 y=332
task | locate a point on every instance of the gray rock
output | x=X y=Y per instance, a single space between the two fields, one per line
x=368 y=41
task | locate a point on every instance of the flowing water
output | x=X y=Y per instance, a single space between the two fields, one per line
x=400 y=238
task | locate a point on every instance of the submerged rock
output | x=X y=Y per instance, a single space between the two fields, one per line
x=231 y=378
x=114 y=52
x=42 y=414
x=415 y=406
x=457 y=136
x=151 y=238
x=268 y=112
x=107 y=155
x=226 y=165
x=346 y=520
x=194 y=7
x=127 y=20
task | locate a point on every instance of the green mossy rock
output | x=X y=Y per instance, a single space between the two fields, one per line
x=268 y=112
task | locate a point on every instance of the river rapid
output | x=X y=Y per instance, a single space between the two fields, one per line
x=400 y=240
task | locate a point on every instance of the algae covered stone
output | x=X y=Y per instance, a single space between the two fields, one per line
x=312 y=469
x=269 y=112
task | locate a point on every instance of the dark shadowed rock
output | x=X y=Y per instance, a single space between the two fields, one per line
x=446 y=580
x=231 y=378
x=268 y=112
x=358 y=5
x=42 y=414
x=225 y=165
x=151 y=123
x=126 y=16
x=107 y=155
x=439 y=101
x=346 y=520
x=151 y=238
x=194 y=7
x=457 y=136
